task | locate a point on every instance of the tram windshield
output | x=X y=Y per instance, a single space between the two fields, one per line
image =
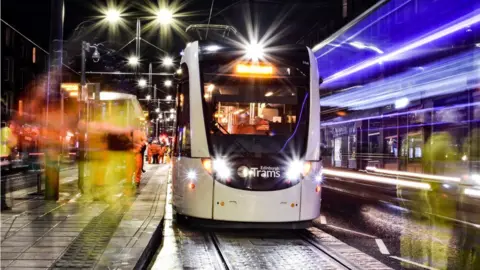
x=256 y=115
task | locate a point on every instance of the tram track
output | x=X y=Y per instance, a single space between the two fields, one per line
x=219 y=255
x=232 y=254
x=306 y=236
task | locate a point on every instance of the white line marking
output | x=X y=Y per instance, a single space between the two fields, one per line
x=355 y=232
x=414 y=263
x=382 y=247
x=323 y=220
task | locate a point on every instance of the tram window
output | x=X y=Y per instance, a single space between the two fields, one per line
x=183 y=142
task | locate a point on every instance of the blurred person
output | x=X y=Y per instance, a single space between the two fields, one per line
x=8 y=142
x=114 y=160
x=155 y=152
x=430 y=206
x=150 y=153
x=167 y=154
x=142 y=151
x=161 y=154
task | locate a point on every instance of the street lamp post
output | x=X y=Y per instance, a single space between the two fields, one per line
x=52 y=166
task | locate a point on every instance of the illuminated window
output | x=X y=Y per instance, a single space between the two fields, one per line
x=34 y=55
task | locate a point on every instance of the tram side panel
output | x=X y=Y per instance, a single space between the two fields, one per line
x=193 y=197
x=311 y=189
x=193 y=188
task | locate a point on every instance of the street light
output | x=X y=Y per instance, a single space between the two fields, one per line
x=142 y=82
x=133 y=61
x=168 y=83
x=172 y=110
x=112 y=15
x=168 y=97
x=179 y=71
x=157 y=110
x=148 y=97
x=167 y=61
x=164 y=16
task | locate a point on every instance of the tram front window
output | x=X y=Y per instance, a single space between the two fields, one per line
x=256 y=115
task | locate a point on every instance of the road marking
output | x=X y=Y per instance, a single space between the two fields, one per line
x=351 y=231
x=414 y=263
x=381 y=246
x=323 y=219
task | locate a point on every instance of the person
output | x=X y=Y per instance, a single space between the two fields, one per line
x=142 y=151
x=150 y=153
x=139 y=152
x=155 y=152
x=8 y=142
x=161 y=154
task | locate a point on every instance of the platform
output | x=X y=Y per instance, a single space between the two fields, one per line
x=72 y=233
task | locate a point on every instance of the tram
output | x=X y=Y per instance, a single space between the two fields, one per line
x=247 y=147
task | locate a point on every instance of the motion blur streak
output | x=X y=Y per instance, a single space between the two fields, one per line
x=472 y=192
x=421 y=175
x=437 y=34
x=445 y=77
x=463 y=105
x=377 y=179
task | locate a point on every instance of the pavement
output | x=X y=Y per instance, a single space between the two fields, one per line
x=73 y=233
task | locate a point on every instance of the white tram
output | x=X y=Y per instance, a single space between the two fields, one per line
x=247 y=145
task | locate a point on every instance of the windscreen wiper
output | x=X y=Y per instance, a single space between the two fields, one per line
x=235 y=140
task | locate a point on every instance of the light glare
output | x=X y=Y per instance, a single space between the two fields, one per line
x=211 y=87
x=221 y=168
x=142 y=82
x=377 y=179
x=112 y=15
x=168 y=83
x=192 y=175
x=167 y=61
x=254 y=51
x=164 y=16
x=401 y=103
x=133 y=61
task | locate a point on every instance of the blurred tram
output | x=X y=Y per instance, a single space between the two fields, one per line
x=247 y=146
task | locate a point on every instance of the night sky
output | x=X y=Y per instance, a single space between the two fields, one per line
x=31 y=17
x=292 y=19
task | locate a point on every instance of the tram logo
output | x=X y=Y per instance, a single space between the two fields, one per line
x=263 y=171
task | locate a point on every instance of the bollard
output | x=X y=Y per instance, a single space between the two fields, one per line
x=39 y=183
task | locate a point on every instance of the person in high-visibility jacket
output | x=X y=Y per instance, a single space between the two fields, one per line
x=9 y=141
x=139 y=152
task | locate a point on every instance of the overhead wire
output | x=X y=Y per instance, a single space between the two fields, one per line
x=209 y=18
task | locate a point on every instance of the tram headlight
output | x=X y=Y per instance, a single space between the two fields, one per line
x=294 y=170
x=192 y=175
x=298 y=168
x=221 y=168
x=207 y=165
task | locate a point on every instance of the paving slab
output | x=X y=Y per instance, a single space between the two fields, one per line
x=132 y=243
x=38 y=234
